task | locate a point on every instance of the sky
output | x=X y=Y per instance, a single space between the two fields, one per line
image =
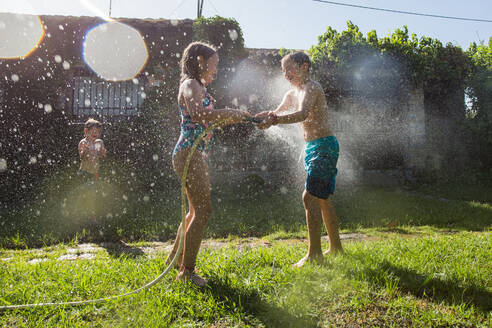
x=293 y=24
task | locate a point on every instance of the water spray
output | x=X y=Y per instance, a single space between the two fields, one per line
x=204 y=134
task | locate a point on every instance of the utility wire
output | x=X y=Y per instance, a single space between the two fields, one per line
x=404 y=12
x=177 y=7
x=212 y=4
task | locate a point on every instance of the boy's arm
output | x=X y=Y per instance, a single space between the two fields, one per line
x=284 y=105
x=193 y=96
x=102 y=149
x=306 y=103
x=83 y=149
x=286 y=102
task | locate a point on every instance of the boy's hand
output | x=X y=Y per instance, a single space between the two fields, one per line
x=99 y=147
x=83 y=148
x=267 y=120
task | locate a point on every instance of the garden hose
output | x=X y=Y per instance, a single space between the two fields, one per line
x=180 y=244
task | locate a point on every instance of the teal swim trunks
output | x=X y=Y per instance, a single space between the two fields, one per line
x=320 y=164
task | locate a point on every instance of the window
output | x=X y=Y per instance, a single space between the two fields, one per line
x=92 y=96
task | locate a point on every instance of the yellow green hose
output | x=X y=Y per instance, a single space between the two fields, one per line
x=171 y=264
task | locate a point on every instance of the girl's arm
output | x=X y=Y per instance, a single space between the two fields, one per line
x=193 y=95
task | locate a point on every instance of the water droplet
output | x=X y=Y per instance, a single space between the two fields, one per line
x=233 y=34
x=146 y=198
x=33 y=160
x=155 y=157
x=66 y=65
x=3 y=164
x=15 y=77
x=48 y=109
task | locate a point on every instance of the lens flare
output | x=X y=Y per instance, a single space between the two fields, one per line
x=20 y=35
x=115 y=51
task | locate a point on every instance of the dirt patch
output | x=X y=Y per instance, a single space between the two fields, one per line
x=88 y=251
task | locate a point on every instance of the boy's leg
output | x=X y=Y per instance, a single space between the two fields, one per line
x=331 y=224
x=313 y=221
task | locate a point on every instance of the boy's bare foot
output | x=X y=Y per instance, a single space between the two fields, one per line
x=309 y=258
x=192 y=277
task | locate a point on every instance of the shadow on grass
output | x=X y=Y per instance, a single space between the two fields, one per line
x=432 y=287
x=252 y=304
x=118 y=249
x=379 y=207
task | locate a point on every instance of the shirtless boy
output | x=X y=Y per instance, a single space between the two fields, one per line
x=307 y=100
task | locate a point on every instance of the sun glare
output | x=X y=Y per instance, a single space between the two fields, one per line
x=20 y=35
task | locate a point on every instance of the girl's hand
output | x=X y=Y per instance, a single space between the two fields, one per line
x=238 y=116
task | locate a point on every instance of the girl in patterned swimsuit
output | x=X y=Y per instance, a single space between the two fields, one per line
x=198 y=67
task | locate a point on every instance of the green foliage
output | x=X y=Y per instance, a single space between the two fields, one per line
x=284 y=51
x=479 y=90
x=405 y=58
x=223 y=33
x=480 y=82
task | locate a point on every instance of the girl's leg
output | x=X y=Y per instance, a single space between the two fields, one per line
x=313 y=220
x=171 y=255
x=331 y=224
x=199 y=199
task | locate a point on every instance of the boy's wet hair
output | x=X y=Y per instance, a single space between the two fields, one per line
x=189 y=60
x=298 y=57
x=92 y=123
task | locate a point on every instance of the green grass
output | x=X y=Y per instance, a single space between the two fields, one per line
x=425 y=263
x=478 y=192
x=237 y=213
x=437 y=280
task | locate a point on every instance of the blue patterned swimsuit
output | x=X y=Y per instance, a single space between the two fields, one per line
x=190 y=130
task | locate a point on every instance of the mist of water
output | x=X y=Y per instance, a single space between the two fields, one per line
x=380 y=130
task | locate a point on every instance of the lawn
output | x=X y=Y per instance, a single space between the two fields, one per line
x=419 y=261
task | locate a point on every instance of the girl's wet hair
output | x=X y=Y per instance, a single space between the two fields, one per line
x=189 y=60
x=298 y=57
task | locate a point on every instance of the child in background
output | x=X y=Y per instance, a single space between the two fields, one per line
x=198 y=68
x=91 y=150
x=308 y=100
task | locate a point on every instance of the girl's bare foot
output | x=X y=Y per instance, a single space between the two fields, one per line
x=334 y=251
x=309 y=258
x=190 y=275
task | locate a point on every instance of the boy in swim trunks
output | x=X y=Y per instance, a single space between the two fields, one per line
x=308 y=100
